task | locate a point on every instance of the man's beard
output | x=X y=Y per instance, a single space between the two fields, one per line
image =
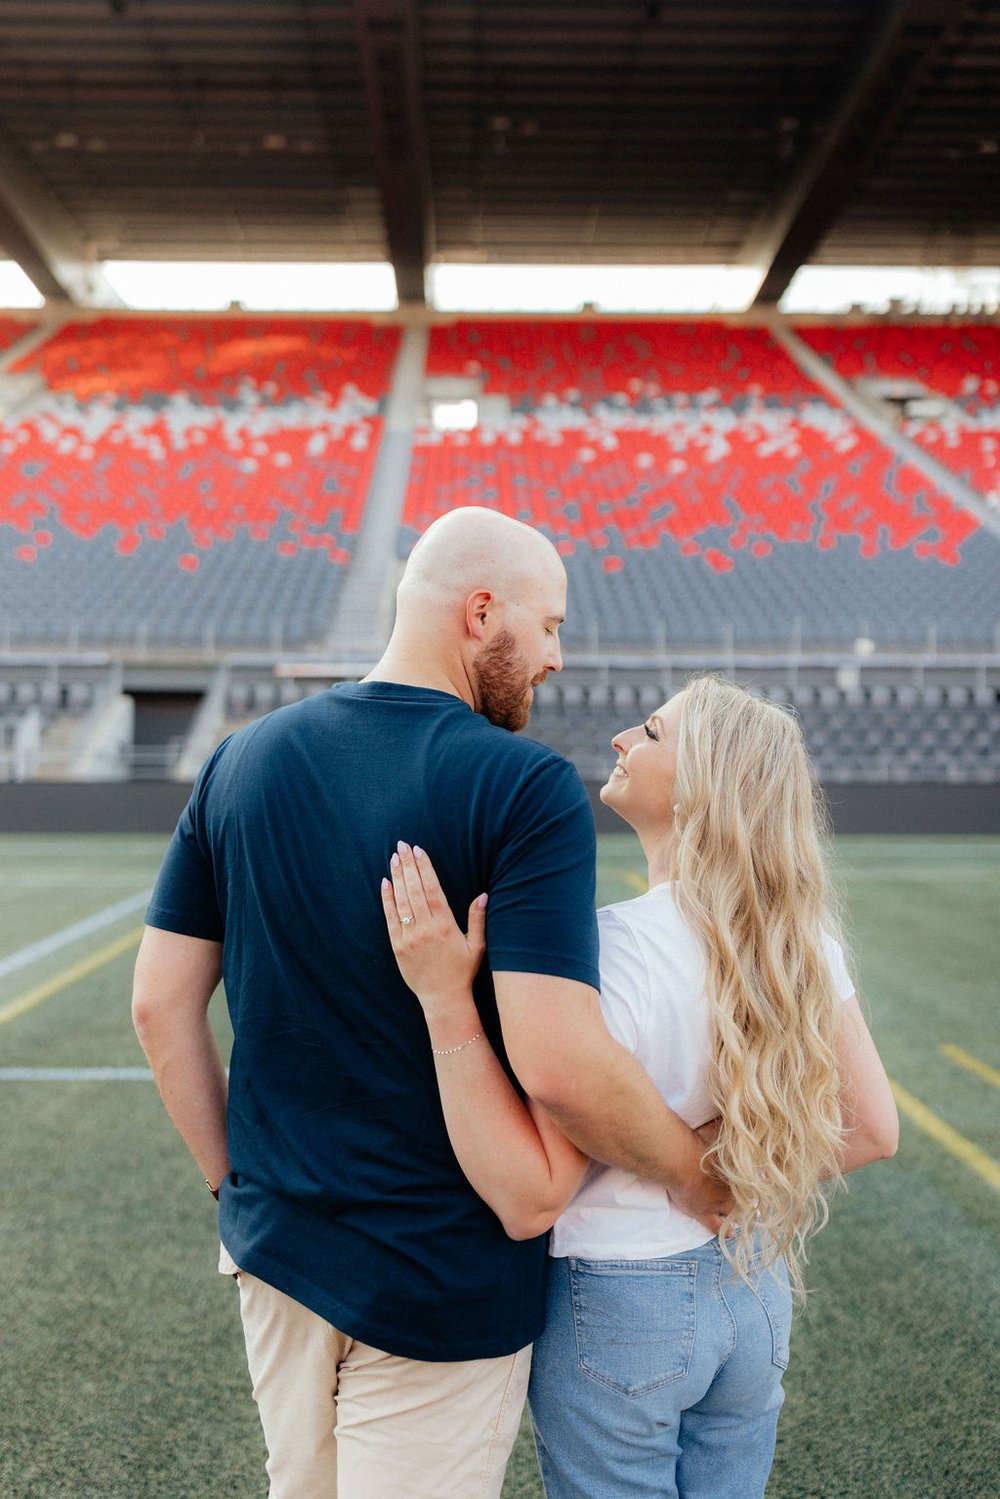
x=502 y=683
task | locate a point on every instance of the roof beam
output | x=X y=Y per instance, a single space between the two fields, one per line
x=388 y=33
x=889 y=68
x=37 y=232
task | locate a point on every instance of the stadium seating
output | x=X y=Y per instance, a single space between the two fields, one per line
x=201 y=482
x=960 y=362
x=879 y=733
x=11 y=330
x=39 y=714
x=898 y=733
x=189 y=482
x=702 y=490
x=139 y=359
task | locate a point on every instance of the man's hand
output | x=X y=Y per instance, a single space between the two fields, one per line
x=597 y=1092
x=708 y=1199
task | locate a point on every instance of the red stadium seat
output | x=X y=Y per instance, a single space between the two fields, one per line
x=11 y=330
x=276 y=358
x=665 y=431
x=294 y=443
x=215 y=470
x=960 y=362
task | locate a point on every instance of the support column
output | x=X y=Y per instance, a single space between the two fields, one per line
x=363 y=619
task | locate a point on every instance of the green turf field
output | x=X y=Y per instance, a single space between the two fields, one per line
x=121 y=1363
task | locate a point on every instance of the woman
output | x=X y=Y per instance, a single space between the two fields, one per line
x=660 y=1368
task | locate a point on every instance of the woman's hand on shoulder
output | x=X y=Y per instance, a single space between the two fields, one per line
x=437 y=959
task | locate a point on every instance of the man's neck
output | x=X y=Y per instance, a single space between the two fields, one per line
x=399 y=666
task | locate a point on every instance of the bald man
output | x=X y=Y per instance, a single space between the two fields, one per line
x=388 y=1318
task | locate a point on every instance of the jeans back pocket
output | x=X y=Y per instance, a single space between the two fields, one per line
x=635 y=1320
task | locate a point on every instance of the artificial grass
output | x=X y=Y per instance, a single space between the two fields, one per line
x=122 y=1373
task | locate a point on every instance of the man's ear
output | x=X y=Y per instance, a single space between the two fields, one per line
x=478 y=608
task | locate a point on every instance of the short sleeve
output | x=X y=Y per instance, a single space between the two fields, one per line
x=624 y=980
x=185 y=898
x=842 y=981
x=541 y=916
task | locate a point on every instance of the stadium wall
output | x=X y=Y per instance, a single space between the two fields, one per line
x=154 y=806
x=866 y=807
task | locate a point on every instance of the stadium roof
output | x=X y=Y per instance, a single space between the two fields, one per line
x=767 y=134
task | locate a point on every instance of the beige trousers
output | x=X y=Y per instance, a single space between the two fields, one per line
x=343 y=1420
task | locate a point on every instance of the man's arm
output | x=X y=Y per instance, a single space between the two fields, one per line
x=567 y=1062
x=175 y=978
x=518 y=1161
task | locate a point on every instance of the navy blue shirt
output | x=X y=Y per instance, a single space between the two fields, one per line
x=344 y=1191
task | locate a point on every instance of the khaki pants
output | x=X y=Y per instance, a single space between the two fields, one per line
x=343 y=1420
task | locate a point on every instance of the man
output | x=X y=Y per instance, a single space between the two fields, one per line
x=388 y=1318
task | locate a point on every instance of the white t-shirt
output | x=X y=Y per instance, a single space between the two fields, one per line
x=654 y=1003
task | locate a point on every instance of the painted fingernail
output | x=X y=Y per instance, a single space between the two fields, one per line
x=394 y=861
x=385 y=886
x=418 y=853
x=481 y=902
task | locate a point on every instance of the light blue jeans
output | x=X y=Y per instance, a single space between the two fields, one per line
x=659 y=1377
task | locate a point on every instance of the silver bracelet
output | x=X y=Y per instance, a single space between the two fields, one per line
x=449 y=1051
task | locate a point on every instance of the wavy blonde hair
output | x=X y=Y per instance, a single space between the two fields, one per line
x=750 y=873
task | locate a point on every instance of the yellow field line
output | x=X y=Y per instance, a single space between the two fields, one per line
x=636 y=881
x=957 y=1145
x=971 y=1064
x=69 y=976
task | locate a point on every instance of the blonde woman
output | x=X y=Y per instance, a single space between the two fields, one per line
x=659 y=1372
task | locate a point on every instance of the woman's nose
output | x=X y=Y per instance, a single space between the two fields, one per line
x=622 y=740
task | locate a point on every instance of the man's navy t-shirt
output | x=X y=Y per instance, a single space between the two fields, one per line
x=344 y=1191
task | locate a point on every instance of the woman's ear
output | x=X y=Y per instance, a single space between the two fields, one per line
x=478 y=607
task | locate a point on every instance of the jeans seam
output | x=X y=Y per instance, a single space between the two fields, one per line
x=775 y=1360
x=729 y=1311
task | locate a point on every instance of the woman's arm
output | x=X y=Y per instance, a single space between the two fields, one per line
x=511 y=1152
x=870 y=1119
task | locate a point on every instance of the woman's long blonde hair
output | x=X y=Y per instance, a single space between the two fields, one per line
x=750 y=875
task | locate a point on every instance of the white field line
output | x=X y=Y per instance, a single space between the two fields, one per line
x=82 y=879
x=68 y=934
x=914 y=872
x=75 y=1075
x=976 y=845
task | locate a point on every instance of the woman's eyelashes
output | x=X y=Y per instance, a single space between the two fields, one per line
x=650 y=733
